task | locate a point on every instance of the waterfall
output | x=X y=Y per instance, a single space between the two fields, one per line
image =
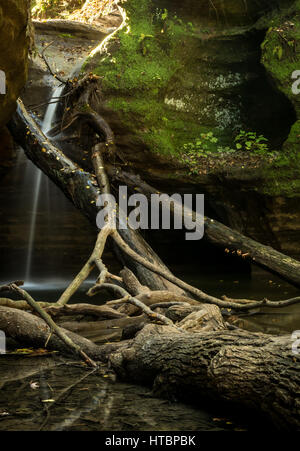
x=39 y=179
x=51 y=110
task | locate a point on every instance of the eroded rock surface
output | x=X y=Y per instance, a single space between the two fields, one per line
x=13 y=52
x=14 y=42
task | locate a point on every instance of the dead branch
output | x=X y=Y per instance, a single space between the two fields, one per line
x=31 y=330
x=200 y=295
x=21 y=305
x=76 y=28
x=133 y=285
x=53 y=327
x=43 y=57
x=195 y=291
x=102 y=312
x=98 y=152
x=233 y=366
x=88 y=267
x=119 y=291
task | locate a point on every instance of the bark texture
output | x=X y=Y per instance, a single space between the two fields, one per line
x=251 y=370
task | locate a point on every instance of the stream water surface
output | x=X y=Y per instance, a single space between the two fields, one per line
x=50 y=393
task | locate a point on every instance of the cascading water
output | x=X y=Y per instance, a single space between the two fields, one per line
x=39 y=180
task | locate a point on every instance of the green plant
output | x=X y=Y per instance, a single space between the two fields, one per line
x=203 y=146
x=251 y=142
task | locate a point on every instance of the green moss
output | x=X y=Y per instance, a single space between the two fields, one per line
x=167 y=131
x=281 y=57
x=142 y=61
x=281 y=180
x=137 y=70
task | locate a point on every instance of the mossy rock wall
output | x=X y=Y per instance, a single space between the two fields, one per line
x=13 y=53
x=179 y=69
x=220 y=12
x=281 y=58
x=13 y=62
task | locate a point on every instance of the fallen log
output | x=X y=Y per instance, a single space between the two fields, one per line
x=101 y=332
x=225 y=237
x=254 y=371
x=78 y=29
x=29 y=330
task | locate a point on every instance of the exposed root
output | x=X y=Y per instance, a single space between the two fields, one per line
x=88 y=267
x=134 y=301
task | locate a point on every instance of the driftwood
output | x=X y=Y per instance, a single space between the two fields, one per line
x=101 y=312
x=107 y=331
x=33 y=331
x=251 y=370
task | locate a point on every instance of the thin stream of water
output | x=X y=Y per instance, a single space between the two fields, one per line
x=39 y=179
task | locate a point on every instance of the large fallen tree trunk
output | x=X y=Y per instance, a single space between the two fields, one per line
x=82 y=189
x=254 y=371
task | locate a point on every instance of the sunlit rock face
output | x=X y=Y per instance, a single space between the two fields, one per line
x=13 y=53
x=13 y=65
